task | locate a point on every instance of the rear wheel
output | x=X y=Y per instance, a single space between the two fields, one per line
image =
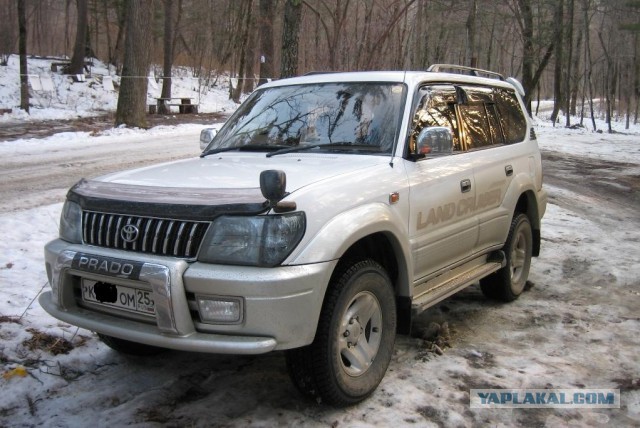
x=354 y=340
x=509 y=282
x=127 y=347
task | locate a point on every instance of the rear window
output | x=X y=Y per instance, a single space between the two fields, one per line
x=514 y=124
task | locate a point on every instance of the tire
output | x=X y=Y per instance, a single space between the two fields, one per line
x=508 y=283
x=129 y=348
x=354 y=339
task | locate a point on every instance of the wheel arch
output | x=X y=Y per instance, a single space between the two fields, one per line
x=527 y=204
x=373 y=231
x=384 y=249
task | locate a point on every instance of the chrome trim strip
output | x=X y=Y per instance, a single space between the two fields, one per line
x=63 y=262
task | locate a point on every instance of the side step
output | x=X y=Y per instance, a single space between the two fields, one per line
x=452 y=285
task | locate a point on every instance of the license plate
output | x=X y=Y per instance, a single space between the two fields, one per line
x=118 y=296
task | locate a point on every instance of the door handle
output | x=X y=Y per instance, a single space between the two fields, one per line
x=465 y=185
x=508 y=170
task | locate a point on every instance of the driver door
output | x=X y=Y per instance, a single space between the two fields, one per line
x=443 y=226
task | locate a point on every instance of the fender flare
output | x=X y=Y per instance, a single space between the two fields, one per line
x=353 y=225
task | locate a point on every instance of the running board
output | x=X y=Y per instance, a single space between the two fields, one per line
x=451 y=286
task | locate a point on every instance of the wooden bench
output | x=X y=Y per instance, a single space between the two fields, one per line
x=163 y=105
x=63 y=64
x=55 y=65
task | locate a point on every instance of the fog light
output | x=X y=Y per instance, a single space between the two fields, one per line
x=216 y=310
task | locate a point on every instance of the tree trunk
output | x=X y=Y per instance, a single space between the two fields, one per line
x=557 y=74
x=121 y=10
x=77 y=60
x=527 y=47
x=267 y=16
x=292 y=15
x=105 y=15
x=575 y=84
x=636 y=75
x=235 y=95
x=471 y=54
x=489 y=63
x=132 y=99
x=167 y=40
x=567 y=85
x=248 y=84
x=609 y=82
x=24 y=72
x=588 y=60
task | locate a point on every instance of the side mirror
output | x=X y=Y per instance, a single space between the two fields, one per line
x=206 y=135
x=273 y=184
x=434 y=140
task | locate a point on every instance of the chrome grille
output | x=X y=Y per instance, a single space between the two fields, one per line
x=167 y=237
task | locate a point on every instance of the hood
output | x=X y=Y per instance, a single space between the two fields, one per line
x=203 y=188
x=242 y=170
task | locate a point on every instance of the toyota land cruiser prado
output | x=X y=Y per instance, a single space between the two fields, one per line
x=325 y=213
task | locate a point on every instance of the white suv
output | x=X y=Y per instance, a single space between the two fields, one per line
x=326 y=212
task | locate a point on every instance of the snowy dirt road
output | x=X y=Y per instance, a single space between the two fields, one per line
x=32 y=176
x=576 y=327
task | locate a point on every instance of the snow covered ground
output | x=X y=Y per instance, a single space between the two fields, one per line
x=577 y=327
x=57 y=96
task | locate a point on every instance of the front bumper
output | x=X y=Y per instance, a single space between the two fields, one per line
x=281 y=305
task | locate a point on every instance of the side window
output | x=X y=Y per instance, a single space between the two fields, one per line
x=436 y=108
x=494 y=122
x=514 y=124
x=475 y=124
x=478 y=118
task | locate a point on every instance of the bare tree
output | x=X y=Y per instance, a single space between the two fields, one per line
x=77 y=60
x=24 y=72
x=290 y=30
x=516 y=37
x=333 y=21
x=530 y=77
x=132 y=98
x=569 y=67
x=471 y=56
x=267 y=16
x=9 y=33
x=167 y=39
x=248 y=83
x=116 y=56
x=246 y=12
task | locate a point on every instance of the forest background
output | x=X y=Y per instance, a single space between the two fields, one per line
x=582 y=54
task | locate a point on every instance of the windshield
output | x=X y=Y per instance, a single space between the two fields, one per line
x=353 y=116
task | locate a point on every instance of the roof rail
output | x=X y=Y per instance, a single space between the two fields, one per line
x=313 y=73
x=466 y=70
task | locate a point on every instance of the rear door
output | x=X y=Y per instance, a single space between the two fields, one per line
x=493 y=124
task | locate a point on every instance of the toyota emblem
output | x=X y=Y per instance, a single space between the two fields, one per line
x=129 y=233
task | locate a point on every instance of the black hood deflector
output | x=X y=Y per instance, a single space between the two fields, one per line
x=166 y=202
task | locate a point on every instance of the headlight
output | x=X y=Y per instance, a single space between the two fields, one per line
x=252 y=241
x=71 y=223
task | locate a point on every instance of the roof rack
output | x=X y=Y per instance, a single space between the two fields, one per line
x=466 y=70
x=313 y=73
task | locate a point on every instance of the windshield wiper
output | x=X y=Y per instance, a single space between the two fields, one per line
x=299 y=148
x=246 y=147
x=340 y=145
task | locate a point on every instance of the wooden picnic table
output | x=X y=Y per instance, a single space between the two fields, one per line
x=184 y=104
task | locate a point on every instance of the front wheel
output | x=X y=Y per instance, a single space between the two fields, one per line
x=354 y=340
x=508 y=283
